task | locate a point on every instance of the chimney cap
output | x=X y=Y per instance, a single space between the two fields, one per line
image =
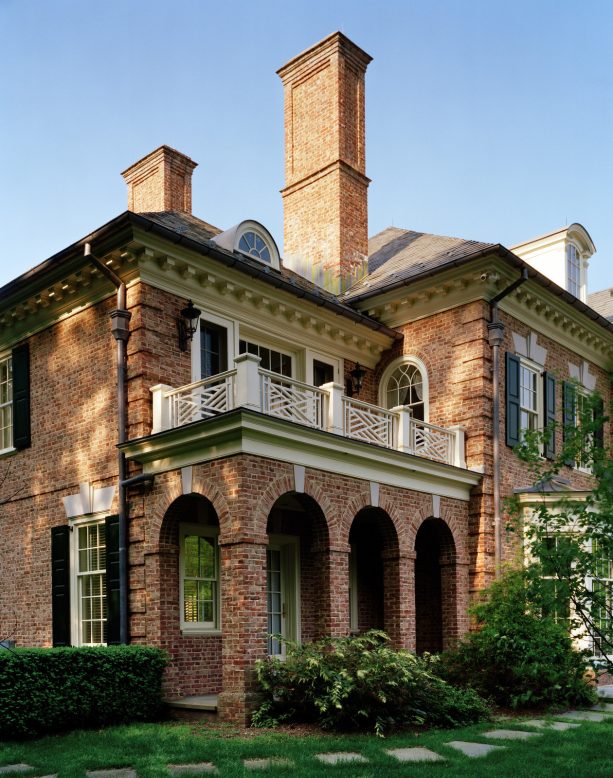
x=336 y=40
x=161 y=151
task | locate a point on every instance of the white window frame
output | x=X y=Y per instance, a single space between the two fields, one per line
x=279 y=346
x=76 y=577
x=335 y=364
x=7 y=407
x=589 y=584
x=580 y=395
x=219 y=321
x=538 y=370
x=265 y=237
x=289 y=548
x=200 y=627
x=407 y=359
x=573 y=270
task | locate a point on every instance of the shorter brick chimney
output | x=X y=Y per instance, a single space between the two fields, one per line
x=161 y=181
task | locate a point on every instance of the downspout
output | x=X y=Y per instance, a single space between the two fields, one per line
x=495 y=336
x=120 y=327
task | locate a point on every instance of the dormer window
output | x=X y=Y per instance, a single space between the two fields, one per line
x=573 y=270
x=251 y=239
x=252 y=243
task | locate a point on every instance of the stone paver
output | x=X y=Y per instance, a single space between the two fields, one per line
x=340 y=757
x=415 y=755
x=557 y=726
x=605 y=691
x=474 y=749
x=15 y=768
x=264 y=764
x=582 y=715
x=192 y=769
x=604 y=707
x=510 y=734
x=119 y=772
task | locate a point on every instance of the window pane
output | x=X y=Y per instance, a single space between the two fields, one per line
x=190 y=549
x=207 y=557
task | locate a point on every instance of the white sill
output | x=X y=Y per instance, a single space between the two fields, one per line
x=6 y=452
x=193 y=631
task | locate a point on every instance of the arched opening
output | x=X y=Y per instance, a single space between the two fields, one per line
x=297 y=571
x=374 y=589
x=435 y=600
x=190 y=595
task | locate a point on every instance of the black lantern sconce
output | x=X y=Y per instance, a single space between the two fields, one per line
x=188 y=324
x=354 y=382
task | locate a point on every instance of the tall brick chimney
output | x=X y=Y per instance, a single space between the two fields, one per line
x=161 y=181
x=325 y=194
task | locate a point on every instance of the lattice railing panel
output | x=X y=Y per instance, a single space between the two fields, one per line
x=202 y=399
x=367 y=422
x=432 y=442
x=292 y=400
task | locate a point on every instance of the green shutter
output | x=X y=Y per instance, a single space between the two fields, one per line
x=21 y=396
x=549 y=387
x=512 y=399
x=599 y=419
x=569 y=420
x=60 y=585
x=112 y=580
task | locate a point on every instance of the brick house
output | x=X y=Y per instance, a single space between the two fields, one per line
x=310 y=445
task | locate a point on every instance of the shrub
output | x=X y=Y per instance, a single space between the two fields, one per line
x=46 y=690
x=518 y=657
x=359 y=683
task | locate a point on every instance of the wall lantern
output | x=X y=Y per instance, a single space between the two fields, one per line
x=188 y=324
x=354 y=382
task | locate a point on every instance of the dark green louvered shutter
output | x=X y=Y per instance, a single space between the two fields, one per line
x=512 y=399
x=60 y=585
x=21 y=396
x=598 y=417
x=112 y=579
x=549 y=389
x=569 y=418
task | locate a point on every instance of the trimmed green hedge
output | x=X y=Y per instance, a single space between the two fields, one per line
x=45 y=690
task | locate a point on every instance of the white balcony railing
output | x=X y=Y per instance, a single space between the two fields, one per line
x=324 y=408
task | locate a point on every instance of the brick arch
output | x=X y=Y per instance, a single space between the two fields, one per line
x=171 y=491
x=458 y=533
x=277 y=489
x=360 y=502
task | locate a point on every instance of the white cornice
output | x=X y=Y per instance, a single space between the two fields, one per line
x=248 y=432
x=255 y=304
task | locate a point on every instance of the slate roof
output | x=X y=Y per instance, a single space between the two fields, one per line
x=602 y=302
x=397 y=255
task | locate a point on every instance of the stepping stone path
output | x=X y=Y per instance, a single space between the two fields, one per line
x=340 y=757
x=121 y=772
x=415 y=755
x=557 y=726
x=583 y=715
x=605 y=707
x=15 y=768
x=264 y=764
x=192 y=769
x=473 y=749
x=510 y=734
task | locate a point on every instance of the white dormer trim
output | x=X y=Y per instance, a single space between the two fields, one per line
x=231 y=240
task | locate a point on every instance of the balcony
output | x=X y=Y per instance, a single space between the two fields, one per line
x=323 y=408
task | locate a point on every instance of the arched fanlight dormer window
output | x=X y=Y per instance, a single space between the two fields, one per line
x=251 y=239
x=405 y=382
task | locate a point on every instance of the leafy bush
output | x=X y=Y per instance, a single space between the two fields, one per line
x=359 y=683
x=52 y=689
x=518 y=657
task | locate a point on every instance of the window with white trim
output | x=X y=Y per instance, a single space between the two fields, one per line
x=558 y=596
x=602 y=602
x=405 y=382
x=6 y=402
x=573 y=270
x=270 y=359
x=253 y=243
x=199 y=576
x=91 y=583
x=529 y=396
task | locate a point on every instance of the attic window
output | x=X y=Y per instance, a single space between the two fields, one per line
x=253 y=244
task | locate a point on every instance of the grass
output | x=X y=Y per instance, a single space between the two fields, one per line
x=581 y=753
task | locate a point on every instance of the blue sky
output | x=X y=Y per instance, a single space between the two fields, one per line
x=489 y=120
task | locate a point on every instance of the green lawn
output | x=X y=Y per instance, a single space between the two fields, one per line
x=586 y=752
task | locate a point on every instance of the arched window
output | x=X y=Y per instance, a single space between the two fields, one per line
x=405 y=382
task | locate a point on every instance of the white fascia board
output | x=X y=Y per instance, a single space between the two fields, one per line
x=256 y=304
x=247 y=432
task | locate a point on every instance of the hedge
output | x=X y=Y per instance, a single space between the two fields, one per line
x=44 y=690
